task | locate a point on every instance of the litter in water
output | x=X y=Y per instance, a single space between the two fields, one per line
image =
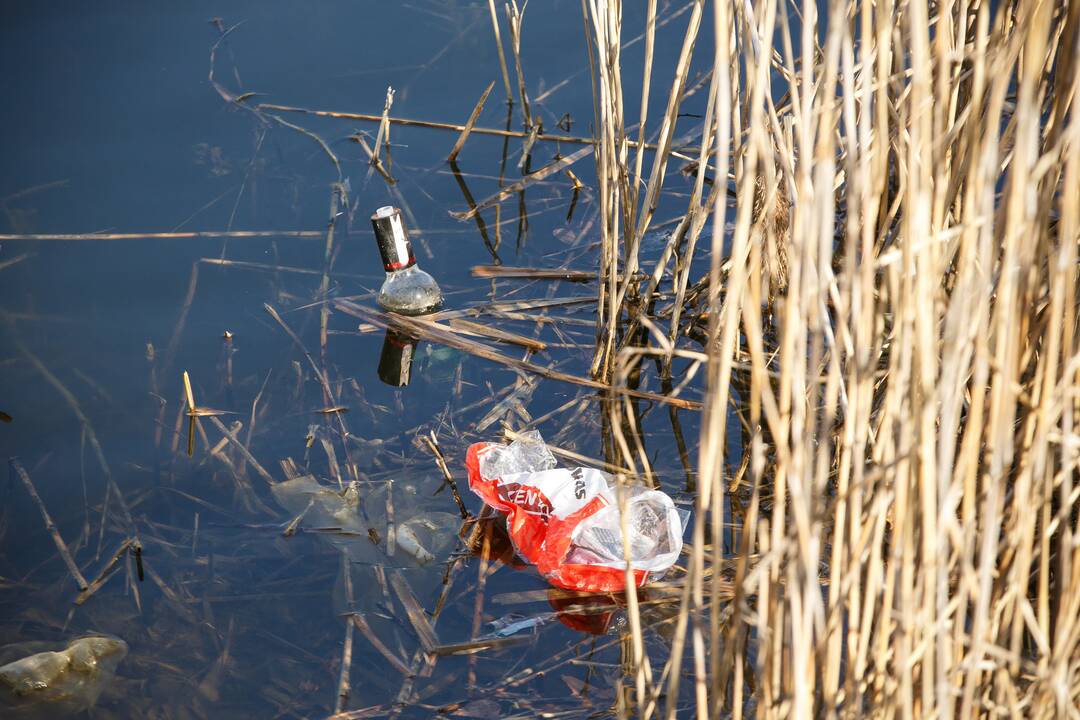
x=69 y=680
x=567 y=521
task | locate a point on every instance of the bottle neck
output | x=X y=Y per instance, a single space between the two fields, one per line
x=403 y=271
x=393 y=241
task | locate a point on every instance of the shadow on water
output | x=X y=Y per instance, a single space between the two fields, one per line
x=279 y=538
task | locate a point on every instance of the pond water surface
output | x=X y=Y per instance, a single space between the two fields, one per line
x=111 y=126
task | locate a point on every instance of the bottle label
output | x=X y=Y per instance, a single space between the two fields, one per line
x=394 y=245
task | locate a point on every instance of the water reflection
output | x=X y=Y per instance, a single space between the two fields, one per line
x=395 y=360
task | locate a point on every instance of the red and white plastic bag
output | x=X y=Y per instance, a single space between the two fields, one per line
x=566 y=521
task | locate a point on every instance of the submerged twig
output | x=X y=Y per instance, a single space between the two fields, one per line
x=50 y=526
x=106 y=572
x=424 y=630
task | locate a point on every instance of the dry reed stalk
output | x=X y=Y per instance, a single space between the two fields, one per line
x=912 y=428
x=502 y=55
x=467 y=327
x=622 y=218
x=514 y=16
x=612 y=178
x=505 y=271
x=646 y=82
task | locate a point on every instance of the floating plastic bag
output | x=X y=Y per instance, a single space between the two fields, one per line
x=567 y=521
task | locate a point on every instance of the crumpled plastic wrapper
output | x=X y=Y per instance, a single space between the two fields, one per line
x=567 y=521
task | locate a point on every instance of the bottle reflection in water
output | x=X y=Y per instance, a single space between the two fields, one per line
x=408 y=289
x=395 y=362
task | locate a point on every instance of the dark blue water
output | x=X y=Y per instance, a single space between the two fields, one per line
x=110 y=125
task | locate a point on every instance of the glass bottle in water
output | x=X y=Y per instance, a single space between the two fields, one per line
x=408 y=290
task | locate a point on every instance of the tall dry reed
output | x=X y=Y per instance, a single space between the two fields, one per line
x=897 y=320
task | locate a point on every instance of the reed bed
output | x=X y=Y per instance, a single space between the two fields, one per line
x=896 y=322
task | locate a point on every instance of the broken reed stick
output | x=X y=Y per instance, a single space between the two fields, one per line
x=433 y=445
x=188 y=393
x=61 y=546
x=346 y=652
x=362 y=625
x=296 y=341
x=469 y=124
x=88 y=428
x=510 y=306
x=374 y=160
x=527 y=148
x=168 y=235
x=544 y=172
x=290 y=529
x=13 y=261
x=472 y=328
x=243 y=450
x=445 y=335
x=646 y=81
x=106 y=572
x=267 y=267
x=435 y=125
x=322 y=143
x=506 y=271
x=423 y=627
